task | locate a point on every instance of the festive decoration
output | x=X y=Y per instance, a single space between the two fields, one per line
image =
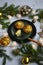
x=5 y=34
x=14 y=43
x=6 y=12
x=34 y=46
x=0 y=26
x=4 y=24
x=25 y=60
x=29 y=53
x=38 y=13
x=25 y=10
x=18 y=15
x=33 y=12
x=9 y=16
x=41 y=37
x=41 y=40
x=0 y=14
x=5 y=41
x=35 y=18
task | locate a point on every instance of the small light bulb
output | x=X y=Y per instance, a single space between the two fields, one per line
x=34 y=46
x=0 y=26
x=14 y=43
x=41 y=40
x=18 y=15
x=33 y=12
x=29 y=10
x=5 y=34
x=9 y=16
x=0 y=14
x=35 y=18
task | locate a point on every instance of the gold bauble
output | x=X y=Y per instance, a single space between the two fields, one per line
x=25 y=60
x=5 y=41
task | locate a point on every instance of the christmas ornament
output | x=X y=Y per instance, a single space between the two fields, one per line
x=18 y=16
x=5 y=34
x=29 y=53
x=25 y=10
x=9 y=16
x=14 y=43
x=35 y=18
x=5 y=41
x=34 y=46
x=33 y=12
x=41 y=40
x=0 y=14
x=6 y=13
x=25 y=60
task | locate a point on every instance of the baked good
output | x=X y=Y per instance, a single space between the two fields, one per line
x=19 y=25
x=27 y=28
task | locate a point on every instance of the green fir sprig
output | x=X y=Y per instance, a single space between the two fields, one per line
x=5 y=56
x=28 y=51
x=6 y=10
x=39 y=13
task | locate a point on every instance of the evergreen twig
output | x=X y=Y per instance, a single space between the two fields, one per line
x=29 y=51
x=5 y=56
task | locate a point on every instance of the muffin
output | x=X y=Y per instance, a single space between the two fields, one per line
x=19 y=25
x=27 y=28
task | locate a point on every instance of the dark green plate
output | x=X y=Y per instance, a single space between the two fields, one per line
x=24 y=37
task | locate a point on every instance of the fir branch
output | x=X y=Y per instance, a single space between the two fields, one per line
x=7 y=10
x=39 y=13
x=38 y=10
x=4 y=6
x=1 y=50
x=4 y=24
x=27 y=50
x=5 y=56
x=4 y=61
